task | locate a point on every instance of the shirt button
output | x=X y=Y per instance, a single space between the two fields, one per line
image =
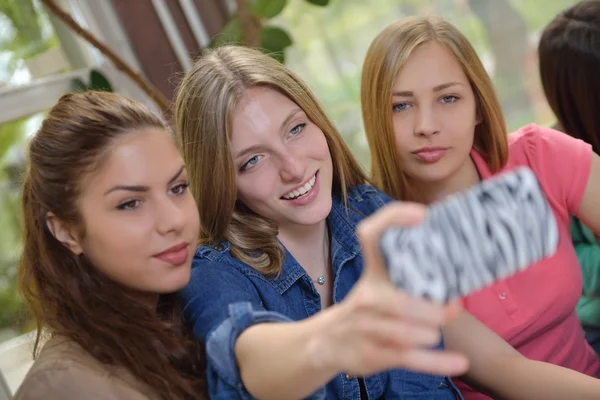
x=502 y=295
x=349 y=377
x=218 y=247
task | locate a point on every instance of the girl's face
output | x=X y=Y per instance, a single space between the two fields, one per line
x=283 y=163
x=434 y=115
x=141 y=222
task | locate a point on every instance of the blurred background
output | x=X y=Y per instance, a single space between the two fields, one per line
x=324 y=41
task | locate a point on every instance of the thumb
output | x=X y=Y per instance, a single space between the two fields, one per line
x=370 y=230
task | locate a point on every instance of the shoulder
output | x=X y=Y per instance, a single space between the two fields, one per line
x=64 y=370
x=218 y=261
x=367 y=199
x=543 y=143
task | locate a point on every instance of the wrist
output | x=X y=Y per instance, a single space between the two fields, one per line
x=321 y=342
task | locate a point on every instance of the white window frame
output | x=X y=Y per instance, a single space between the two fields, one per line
x=21 y=101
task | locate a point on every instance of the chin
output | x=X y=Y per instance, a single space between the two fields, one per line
x=175 y=281
x=315 y=214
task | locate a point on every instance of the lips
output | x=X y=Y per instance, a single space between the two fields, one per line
x=176 y=255
x=430 y=154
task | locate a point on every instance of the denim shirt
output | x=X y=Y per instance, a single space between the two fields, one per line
x=226 y=296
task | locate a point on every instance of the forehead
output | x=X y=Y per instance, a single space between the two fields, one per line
x=258 y=116
x=429 y=65
x=139 y=158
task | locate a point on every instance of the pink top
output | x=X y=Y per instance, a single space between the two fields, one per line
x=534 y=310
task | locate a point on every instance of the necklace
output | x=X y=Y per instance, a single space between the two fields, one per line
x=321 y=280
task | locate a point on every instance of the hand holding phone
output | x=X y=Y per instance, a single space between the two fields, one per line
x=473 y=238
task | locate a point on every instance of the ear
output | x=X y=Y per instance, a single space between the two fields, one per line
x=63 y=233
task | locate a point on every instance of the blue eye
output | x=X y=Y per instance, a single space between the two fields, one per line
x=449 y=99
x=297 y=129
x=399 y=107
x=250 y=163
x=180 y=189
x=129 y=205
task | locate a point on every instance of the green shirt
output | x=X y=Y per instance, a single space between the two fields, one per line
x=588 y=253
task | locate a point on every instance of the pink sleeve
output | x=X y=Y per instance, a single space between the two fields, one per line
x=561 y=162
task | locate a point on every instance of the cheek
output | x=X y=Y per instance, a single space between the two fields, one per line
x=402 y=134
x=256 y=188
x=321 y=147
x=117 y=245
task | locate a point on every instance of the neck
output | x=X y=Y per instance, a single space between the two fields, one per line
x=309 y=245
x=462 y=179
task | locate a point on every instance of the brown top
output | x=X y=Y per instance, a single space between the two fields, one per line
x=63 y=370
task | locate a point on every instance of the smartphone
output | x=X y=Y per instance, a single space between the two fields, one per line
x=473 y=238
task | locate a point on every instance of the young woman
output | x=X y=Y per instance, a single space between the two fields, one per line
x=278 y=291
x=435 y=128
x=569 y=61
x=109 y=233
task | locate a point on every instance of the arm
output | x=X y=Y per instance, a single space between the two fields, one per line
x=588 y=254
x=375 y=328
x=501 y=371
x=589 y=210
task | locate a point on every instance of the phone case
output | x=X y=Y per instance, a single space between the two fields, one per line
x=473 y=238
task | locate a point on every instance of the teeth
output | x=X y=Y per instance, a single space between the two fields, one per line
x=302 y=190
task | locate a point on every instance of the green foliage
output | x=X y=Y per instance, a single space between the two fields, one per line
x=230 y=34
x=25 y=38
x=267 y=8
x=97 y=82
x=12 y=135
x=273 y=40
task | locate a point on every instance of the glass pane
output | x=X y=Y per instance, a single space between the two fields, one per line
x=29 y=48
x=13 y=138
x=330 y=44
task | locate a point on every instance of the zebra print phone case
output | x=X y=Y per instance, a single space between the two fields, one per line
x=473 y=238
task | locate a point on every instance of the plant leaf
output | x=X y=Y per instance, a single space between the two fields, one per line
x=99 y=82
x=231 y=33
x=267 y=8
x=77 y=85
x=321 y=3
x=273 y=41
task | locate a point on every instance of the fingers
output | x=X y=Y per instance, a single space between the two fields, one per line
x=370 y=230
x=385 y=300
x=400 y=334
x=433 y=362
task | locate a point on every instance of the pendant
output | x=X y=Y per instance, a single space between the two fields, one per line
x=321 y=280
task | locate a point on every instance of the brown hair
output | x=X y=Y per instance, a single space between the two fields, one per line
x=569 y=62
x=203 y=110
x=385 y=58
x=66 y=294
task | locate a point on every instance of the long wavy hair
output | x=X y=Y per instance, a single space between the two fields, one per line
x=385 y=59
x=205 y=102
x=66 y=294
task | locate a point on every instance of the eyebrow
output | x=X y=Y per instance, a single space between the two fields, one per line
x=408 y=93
x=286 y=121
x=140 y=188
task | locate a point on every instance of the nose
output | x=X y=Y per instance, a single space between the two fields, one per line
x=425 y=124
x=291 y=168
x=170 y=216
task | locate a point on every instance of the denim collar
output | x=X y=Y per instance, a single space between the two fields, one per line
x=341 y=222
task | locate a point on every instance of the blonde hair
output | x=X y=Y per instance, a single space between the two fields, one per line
x=384 y=60
x=204 y=107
